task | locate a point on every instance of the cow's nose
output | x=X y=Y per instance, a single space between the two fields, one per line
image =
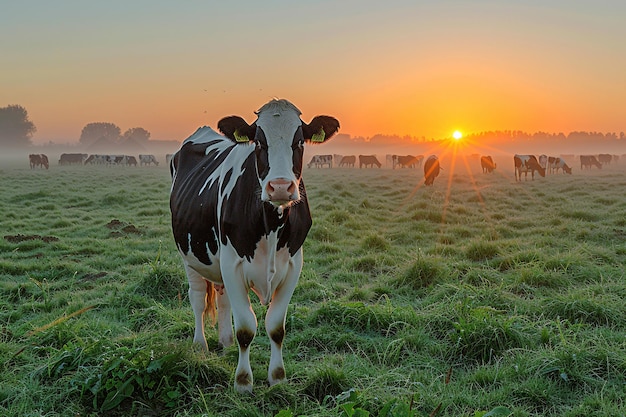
x=281 y=189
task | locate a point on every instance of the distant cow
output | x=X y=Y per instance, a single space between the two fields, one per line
x=37 y=160
x=526 y=163
x=605 y=158
x=96 y=159
x=240 y=216
x=348 y=160
x=320 y=160
x=559 y=163
x=487 y=164
x=586 y=161
x=368 y=160
x=406 y=161
x=147 y=160
x=72 y=158
x=131 y=160
x=431 y=169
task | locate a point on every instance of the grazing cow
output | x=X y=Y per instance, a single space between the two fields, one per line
x=431 y=169
x=525 y=163
x=348 y=160
x=131 y=160
x=605 y=158
x=96 y=159
x=35 y=160
x=147 y=160
x=487 y=164
x=588 y=160
x=239 y=217
x=406 y=161
x=559 y=163
x=320 y=160
x=368 y=160
x=72 y=158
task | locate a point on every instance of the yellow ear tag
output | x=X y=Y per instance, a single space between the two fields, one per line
x=239 y=138
x=319 y=136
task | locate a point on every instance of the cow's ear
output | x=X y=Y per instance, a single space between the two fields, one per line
x=320 y=129
x=236 y=129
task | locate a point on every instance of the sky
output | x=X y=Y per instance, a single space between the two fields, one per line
x=408 y=68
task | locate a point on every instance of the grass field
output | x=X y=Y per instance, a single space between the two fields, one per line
x=477 y=295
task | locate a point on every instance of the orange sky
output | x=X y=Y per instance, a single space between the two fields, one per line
x=401 y=67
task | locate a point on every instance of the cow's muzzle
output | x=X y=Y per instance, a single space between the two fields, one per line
x=282 y=191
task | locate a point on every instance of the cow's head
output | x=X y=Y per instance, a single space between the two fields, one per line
x=279 y=136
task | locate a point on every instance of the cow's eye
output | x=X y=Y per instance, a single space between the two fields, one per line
x=298 y=144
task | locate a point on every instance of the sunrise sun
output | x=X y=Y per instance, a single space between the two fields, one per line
x=457 y=135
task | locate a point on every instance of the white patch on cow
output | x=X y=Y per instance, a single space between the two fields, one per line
x=279 y=121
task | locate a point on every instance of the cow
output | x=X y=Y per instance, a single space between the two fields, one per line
x=368 y=160
x=72 y=158
x=240 y=215
x=131 y=160
x=525 y=163
x=431 y=169
x=487 y=164
x=605 y=158
x=543 y=161
x=348 y=160
x=588 y=160
x=406 y=161
x=147 y=160
x=559 y=163
x=320 y=160
x=37 y=160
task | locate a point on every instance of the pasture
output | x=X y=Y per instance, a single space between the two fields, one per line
x=477 y=294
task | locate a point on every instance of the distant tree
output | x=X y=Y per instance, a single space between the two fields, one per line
x=100 y=130
x=138 y=134
x=16 y=130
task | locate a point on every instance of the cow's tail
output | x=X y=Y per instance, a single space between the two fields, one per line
x=210 y=310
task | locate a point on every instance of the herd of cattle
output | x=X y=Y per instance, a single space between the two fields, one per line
x=41 y=160
x=523 y=164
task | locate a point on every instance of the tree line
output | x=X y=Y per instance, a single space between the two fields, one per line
x=17 y=130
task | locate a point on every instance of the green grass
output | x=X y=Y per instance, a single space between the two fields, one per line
x=488 y=296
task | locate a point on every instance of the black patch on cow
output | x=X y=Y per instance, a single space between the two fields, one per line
x=278 y=374
x=278 y=335
x=297 y=146
x=244 y=338
x=262 y=161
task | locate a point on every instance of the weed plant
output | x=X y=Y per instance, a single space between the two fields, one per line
x=478 y=296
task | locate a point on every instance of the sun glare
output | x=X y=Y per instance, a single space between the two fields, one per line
x=457 y=135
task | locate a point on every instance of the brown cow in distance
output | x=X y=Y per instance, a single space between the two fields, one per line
x=588 y=160
x=348 y=160
x=37 y=160
x=525 y=163
x=487 y=164
x=368 y=160
x=431 y=169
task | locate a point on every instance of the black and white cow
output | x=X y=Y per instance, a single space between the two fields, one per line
x=147 y=160
x=318 y=161
x=239 y=217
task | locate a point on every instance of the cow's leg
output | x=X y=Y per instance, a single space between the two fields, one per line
x=198 y=300
x=275 y=320
x=244 y=319
x=224 y=317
